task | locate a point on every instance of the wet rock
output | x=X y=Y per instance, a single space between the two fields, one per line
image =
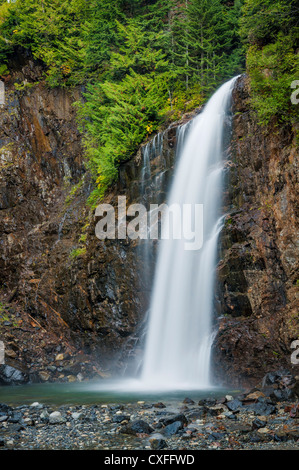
x=77 y=416
x=230 y=415
x=120 y=418
x=262 y=408
x=258 y=423
x=157 y=443
x=253 y=396
x=11 y=376
x=137 y=427
x=286 y=435
x=173 y=428
x=207 y=402
x=216 y=410
x=56 y=418
x=171 y=419
x=283 y=378
x=15 y=417
x=216 y=436
x=188 y=401
x=234 y=405
x=159 y=405
x=294 y=411
x=5 y=408
x=36 y=405
x=44 y=375
x=44 y=416
x=198 y=413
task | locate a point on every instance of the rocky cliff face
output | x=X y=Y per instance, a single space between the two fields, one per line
x=258 y=272
x=72 y=304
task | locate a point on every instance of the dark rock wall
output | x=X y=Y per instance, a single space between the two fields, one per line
x=257 y=288
x=63 y=291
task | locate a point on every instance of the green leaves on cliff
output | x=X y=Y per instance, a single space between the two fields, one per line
x=141 y=62
x=270 y=30
x=118 y=114
x=51 y=31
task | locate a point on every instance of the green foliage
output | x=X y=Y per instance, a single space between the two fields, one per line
x=3 y=70
x=24 y=86
x=271 y=34
x=119 y=113
x=206 y=47
x=77 y=252
x=140 y=63
x=52 y=31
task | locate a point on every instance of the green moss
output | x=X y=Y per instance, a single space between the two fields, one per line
x=6 y=316
x=73 y=192
x=24 y=85
x=3 y=70
x=77 y=252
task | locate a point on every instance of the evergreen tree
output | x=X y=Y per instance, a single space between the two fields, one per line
x=119 y=113
x=270 y=31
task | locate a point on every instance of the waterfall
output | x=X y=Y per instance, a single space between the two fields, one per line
x=180 y=330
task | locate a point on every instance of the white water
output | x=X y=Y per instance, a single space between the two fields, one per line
x=179 y=337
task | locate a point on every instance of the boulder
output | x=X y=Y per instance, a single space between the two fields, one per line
x=137 y=427
x=11 y=376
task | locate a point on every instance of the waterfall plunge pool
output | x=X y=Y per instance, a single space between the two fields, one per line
x=104 y=392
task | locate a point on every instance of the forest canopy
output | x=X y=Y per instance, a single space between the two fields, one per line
x=143 y=63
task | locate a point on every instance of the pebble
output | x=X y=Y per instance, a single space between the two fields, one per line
x=141 y=425
x=56 y=418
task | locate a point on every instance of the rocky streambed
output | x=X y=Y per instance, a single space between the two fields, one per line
x=266 y=417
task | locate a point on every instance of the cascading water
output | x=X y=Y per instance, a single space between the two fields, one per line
x=179 y=337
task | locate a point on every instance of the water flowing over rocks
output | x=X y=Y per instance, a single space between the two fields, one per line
x=70 y=302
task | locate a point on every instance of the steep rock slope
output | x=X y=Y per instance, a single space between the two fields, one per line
x=258 y=272
x=70 y=303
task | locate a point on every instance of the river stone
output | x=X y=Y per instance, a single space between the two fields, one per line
x=173 y=428
x=5 y=408
x=171 y=419
x=77 y=416
x=158 y=443
x=37 y=405
x=234 y=405
x=262 y=408
x=137 y=427
x=196 y=413
x=56 y=418
x=282 y=395
x=44 y=416
x=15 y=417
x=188 y=401
x=258 y=423
x=120 y=418
x=11 y=376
